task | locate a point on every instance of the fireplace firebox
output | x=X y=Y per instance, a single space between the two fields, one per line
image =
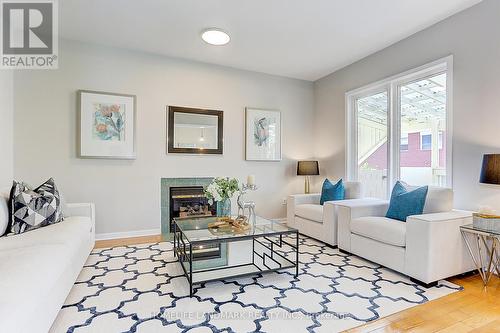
x=189 y=202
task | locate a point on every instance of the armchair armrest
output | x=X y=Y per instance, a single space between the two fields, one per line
x=82 y=209
x=435 y=248
x=354 y=208
x=298 y=199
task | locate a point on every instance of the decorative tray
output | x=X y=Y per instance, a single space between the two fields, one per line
x=227 y=225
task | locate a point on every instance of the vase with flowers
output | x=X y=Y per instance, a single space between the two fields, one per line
x=221 y=190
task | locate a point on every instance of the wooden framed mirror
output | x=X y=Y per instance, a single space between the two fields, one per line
x=194 y=131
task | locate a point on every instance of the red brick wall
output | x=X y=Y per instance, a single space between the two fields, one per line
x=413 y=157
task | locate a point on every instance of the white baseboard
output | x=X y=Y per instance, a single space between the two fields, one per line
x=128 y=234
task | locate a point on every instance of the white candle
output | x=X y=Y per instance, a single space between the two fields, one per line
x=251 y=180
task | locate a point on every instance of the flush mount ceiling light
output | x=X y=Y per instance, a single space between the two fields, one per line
x=214 y=36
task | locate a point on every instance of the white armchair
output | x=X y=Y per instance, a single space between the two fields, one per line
x=427 y=247
x=305 y=213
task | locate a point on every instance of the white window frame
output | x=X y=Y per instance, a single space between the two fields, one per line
x=352 y=132
x=392 y=86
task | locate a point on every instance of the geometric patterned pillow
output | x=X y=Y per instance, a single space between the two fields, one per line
x=32 y=209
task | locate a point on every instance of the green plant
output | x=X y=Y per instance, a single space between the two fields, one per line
x=221 y=189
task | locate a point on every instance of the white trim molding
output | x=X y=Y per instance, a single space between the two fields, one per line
x=128 y=234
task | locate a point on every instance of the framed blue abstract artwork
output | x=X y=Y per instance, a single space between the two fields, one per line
x=262 y=135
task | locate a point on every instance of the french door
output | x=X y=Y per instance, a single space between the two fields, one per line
x=400 y=129
x=371 y=142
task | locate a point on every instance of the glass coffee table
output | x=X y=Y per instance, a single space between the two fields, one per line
x=266 y=246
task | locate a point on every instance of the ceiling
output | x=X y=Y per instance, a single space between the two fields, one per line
x=301 y=39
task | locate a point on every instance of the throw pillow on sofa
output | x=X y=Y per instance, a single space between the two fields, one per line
x=405 y=202
x=32 y=209
x=332 y=192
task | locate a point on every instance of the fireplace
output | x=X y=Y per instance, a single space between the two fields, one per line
x=189 y=202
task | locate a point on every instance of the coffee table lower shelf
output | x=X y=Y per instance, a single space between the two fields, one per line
x=268 y=260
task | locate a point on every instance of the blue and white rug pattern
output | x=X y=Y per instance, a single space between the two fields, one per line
x=142 y=288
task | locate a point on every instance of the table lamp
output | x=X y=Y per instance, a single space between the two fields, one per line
x=307 y=168
x=490 y=171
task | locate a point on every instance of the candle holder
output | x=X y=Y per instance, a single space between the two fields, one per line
x=243 y=205
x=246 y=187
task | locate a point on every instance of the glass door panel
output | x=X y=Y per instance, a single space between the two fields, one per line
x=371 y=144
x=422 y=157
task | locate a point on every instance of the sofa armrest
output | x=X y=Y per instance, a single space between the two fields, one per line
x=435 y=248
x=298 y=199
x=82 y=209
x=354 y=208
x=364 y=207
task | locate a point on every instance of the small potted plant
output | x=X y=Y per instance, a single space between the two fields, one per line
x=221 y=190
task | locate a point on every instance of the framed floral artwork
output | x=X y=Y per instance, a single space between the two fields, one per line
x=106 y=125
x=262 y=135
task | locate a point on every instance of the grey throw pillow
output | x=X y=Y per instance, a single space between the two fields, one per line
x=32 y=209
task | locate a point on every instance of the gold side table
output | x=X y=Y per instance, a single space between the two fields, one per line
x=486 y=241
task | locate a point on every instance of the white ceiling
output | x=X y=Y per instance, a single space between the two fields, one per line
x=302 y=39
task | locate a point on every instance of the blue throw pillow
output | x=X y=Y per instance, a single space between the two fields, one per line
x=405 y=203
x=331 y=192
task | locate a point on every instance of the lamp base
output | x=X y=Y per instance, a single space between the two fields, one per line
x=306 y=185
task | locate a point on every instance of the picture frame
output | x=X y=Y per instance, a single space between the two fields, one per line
x=106 y=125
x=263 y=134
x=195 y=131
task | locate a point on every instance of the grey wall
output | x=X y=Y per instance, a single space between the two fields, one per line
x=127 y=193
x=472 y=37
x=6 y=128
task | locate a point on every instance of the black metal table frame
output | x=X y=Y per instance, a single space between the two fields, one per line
x=183 y=250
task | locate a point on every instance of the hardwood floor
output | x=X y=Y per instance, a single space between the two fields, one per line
x=127 y=241
x=475 y=309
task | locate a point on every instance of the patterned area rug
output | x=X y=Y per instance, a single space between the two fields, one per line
x=142 y=289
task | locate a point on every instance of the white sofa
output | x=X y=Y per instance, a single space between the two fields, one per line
x=305 y=213
x=38 y=269
x=427 y=247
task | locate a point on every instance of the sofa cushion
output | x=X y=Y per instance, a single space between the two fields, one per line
x=310 y=211
x=381 y=229
x=36 y=261
x=439 y=199
x=332 y=192
x=352 y=190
